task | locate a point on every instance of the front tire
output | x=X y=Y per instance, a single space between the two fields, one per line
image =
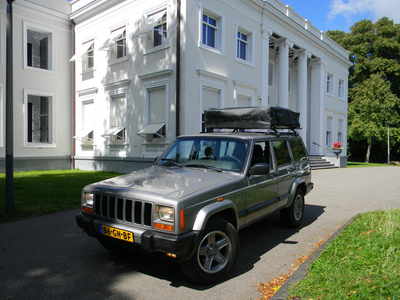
x=292 y=216
x=215 y=255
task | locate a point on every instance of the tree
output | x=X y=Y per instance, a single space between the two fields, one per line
x=373 y=48
x=374 y=83
x=372 y=106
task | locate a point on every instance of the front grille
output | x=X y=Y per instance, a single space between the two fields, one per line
x=122 y=209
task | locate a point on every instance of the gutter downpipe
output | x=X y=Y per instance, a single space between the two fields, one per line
x=73 y=99
x=178 y=68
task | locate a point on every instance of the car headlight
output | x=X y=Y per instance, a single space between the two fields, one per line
x=165 y=213
x=87 y=199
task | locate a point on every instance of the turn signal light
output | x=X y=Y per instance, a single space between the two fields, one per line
x=171 y=255
x=164 y=226
x=87 y=209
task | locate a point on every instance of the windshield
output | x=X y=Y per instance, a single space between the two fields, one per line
x=207 y=152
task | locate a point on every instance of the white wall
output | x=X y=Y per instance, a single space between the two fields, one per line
x=55 y=82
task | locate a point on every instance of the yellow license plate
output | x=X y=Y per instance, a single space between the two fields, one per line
x=116 y=233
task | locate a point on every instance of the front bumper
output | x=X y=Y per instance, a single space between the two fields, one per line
x=150 y=241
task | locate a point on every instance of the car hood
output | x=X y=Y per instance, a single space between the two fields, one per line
x=169 y=182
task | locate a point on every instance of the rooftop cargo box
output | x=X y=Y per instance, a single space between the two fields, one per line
x=270 y=117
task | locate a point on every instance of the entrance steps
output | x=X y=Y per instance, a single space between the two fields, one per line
x=318 y=163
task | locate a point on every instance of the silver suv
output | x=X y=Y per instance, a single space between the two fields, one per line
x=190 y=205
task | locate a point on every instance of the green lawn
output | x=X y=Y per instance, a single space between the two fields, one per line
x=363 y=262
x=42 y=192
x=353 y=164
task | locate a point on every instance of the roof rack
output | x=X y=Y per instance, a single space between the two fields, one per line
x=240 y=118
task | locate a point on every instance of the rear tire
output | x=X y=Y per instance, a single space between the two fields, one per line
x=292 y=216
x=215 y=255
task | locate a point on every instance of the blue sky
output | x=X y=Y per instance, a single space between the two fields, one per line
x=341 y=14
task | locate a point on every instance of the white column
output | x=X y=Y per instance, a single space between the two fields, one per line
x=283 y=73
x=302 y=106
x=266 y=32
x=317 y=126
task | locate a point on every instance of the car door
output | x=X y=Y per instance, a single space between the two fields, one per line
x=262 y=193
x=285 y=170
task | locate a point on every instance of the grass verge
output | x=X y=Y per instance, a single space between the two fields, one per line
x=363 y=262
x=42 y=192
x=353 y=164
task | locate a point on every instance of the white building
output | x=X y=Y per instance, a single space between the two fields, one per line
x=136 y=88
x=42 y=84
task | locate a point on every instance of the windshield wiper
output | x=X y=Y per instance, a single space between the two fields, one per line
x=173 y=161
x=204 y=166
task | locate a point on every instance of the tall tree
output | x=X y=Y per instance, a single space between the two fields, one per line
x=372 y=106
x=374 y=83
x=374 y=48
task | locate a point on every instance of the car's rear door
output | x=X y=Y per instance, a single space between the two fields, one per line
x=286 y=172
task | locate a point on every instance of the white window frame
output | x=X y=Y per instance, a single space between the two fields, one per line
x=52 y=118
x=220 y=30
x=210 y=81
x=88 y=45
x=51 y=46
x=116 y=134
x=161 y=23
x=111 y=43
x=82 y=134
x=249 y=59
x=329 y=131
x=330 y=79
x=341 y=89
x=151 y=82
x=148 y=34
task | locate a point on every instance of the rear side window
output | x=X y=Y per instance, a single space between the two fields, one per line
x=298 y=151
x=281 y=152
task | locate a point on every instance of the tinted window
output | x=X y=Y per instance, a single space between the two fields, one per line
x=281 y=152
x=298 y=150
x=223 y=153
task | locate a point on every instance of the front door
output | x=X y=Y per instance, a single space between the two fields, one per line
x=261 y=196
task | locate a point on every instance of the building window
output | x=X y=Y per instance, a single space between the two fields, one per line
x=117 y=131
x=88 y=122
x=341 y=89
x=88 y=56
x=212 y=28
x=340 y=130
x=209 y=31
x=242 y=46
x=117 y=43
x=39 y=119
x=120 y=45
x=328 y=132
x=38 y=49
x=157 y=113
x=329 y=84
x=210 y=99
x=154 y=30
x=160 y=31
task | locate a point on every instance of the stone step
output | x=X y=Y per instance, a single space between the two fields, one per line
x=318 y=163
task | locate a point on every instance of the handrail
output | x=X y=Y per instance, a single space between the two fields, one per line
x=328 y=149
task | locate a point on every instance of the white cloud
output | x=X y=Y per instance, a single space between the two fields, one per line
x=373 y=9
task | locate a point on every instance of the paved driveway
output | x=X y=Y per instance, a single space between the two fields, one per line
x=51 y=258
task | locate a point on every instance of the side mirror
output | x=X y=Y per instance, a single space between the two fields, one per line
x=259 y=169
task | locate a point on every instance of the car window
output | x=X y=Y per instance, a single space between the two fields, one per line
x=222 y=153
x=281 y=152
x=298 y=151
